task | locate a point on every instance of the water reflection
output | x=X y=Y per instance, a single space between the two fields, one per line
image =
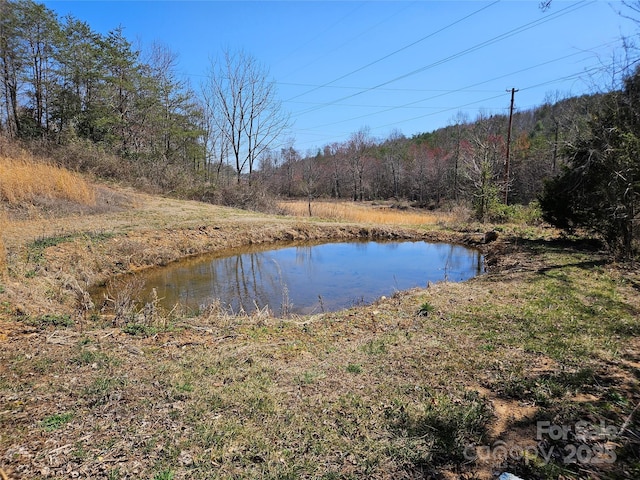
x=311 y=278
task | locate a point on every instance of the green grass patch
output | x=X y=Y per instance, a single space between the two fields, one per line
x=569 y=312
x=437 y=430
x=103 y=388
x=354 y=368
x=425 y=309
x=139 y=329
x=164 y=475
x=56 y=421
x=309 y=377
x=50 y=320
x=93 y=357
x=35 y=249
x=544 y=389
x=376 y=346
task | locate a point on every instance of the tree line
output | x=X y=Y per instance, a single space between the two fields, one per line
x=462 y=162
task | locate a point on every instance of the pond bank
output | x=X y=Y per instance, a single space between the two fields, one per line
x=68 y=253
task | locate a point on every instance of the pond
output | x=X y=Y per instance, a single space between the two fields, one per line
x=308 y=279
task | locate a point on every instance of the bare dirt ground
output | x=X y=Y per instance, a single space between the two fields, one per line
x=378 y=391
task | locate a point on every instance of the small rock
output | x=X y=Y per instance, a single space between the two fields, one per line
x=185 y=458
x=135 y=350
x=508 y=476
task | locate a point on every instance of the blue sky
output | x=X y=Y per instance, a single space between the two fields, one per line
x=341 y=66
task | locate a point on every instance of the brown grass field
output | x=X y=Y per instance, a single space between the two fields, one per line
x=346 y=211
x=454 y=381
x=25 y=180
x=3 y=253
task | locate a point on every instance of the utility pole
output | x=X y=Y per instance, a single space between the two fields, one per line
x=506 y=164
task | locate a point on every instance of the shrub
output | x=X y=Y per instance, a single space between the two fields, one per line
x=598 y=188
x=239 y=195
x=85 y=156
x=51 y=319
x=530 y=214
x=425 y=309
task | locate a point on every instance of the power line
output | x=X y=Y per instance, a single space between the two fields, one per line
x=469 y=87
x=364 y=32
x=346 y=87
x=396 y=51
x=321 y=33
x=460 y=107
x=387 y=108
x=576 y=76
x=457 y=108
x=538 y=85
x=503 y=36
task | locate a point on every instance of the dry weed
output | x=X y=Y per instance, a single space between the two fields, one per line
x=25 y=179
x=354 y=212
x=122 y=296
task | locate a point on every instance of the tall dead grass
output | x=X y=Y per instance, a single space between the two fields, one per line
x=26 y=180
x=3 y=251
x=365 y=213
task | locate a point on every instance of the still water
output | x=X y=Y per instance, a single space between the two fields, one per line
x=310 y=278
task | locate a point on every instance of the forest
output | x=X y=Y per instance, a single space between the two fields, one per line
x=97 y=105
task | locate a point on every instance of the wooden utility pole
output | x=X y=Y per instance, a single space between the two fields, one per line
x=506 y=164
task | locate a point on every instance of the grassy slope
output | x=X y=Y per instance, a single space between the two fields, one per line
x=381 y=391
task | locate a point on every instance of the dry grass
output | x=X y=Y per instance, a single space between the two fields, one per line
x=25 y=179
x=363 y=212
x=3 y=252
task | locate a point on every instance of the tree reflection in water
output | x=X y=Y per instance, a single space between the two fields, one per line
x=310 y=278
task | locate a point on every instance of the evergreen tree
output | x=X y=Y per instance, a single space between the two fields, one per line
x=599 y=188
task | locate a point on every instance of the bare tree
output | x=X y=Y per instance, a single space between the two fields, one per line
x=244 y=109
x=309 y=179
x=290 y=158
x=12 y=60
x=215 y=141
x=458 y=121
x=335 y=152
x=359 y=145
x=393 y=153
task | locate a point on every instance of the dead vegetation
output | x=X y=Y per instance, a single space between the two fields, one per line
x=3 y=252
x=24 y=180
x=387 y=214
